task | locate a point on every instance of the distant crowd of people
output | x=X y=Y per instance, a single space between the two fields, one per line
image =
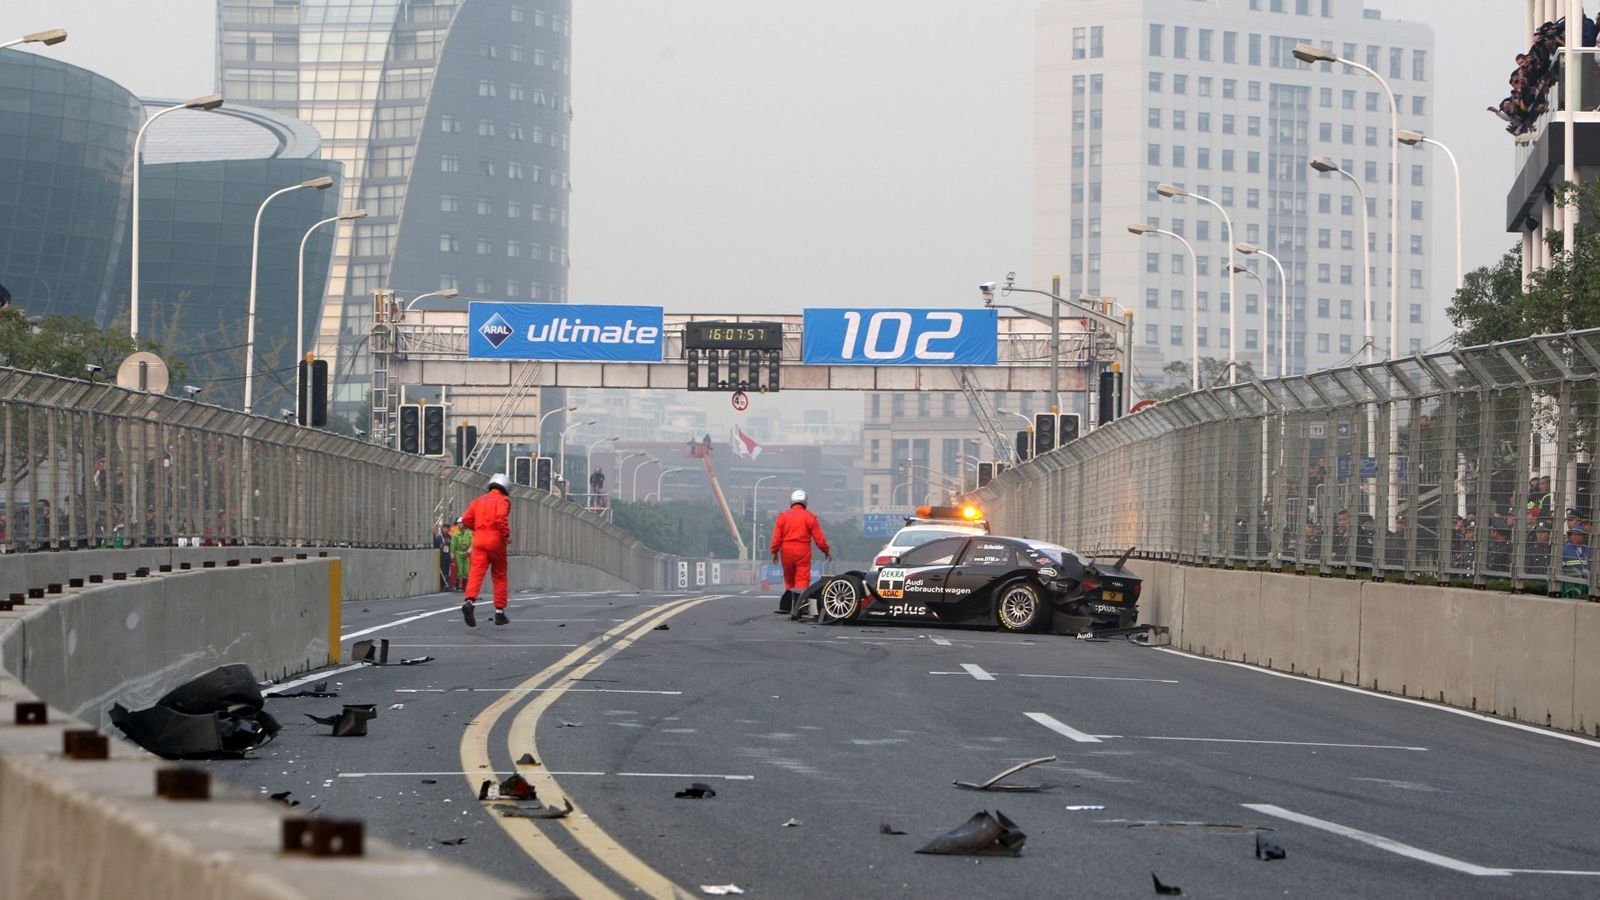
x=1536 y=73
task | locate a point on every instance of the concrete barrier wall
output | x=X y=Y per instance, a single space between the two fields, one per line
x=131 y=641
x=1522 y=657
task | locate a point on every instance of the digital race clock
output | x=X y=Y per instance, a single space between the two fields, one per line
x=733 y=336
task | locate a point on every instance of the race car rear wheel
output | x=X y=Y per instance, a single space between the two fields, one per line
x=840 y=598
x=1018 y=608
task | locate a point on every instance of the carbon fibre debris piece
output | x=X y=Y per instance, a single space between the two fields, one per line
x=217 y=715
x=527 y=759
x=696 y=791
x=515 y=787
x=886 y=828
x=994 y=784
x=981 y=835
x=1166 y=890
x=536 y=811
x=416 y=660
x=1267 y=850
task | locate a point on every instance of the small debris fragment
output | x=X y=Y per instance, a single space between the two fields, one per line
x=527 y=759
x=430 y=781
x=536 y=811
x=397 y=706
x=718 y=890
x=696 y=791
x=886 y=828
x=1267 y=850
x=451 y=842
x=792 y=823
x=283 y=797
x=981 y=835
x=1166 y=890
x=566 y=724
x=516 y=787
x=416 y=660
x=1084 y=808
x=485 y=789
x=994 y=784
x=664 y=627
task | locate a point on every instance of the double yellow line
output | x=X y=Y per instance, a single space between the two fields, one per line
x=546 y=688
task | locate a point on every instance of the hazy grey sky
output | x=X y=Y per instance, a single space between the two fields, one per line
x=737 y=155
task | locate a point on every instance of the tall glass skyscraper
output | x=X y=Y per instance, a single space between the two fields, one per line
x=451 y=118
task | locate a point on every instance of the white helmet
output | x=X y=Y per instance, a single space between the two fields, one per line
x=502 y=481
x=797 y=497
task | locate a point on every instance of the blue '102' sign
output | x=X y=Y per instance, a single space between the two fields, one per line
x=901 y=337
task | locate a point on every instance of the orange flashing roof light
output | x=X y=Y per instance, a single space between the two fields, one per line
x=925 y=512
x=968 y=513
x=971 y=513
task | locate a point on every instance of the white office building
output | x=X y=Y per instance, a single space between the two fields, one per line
x=1206 y=95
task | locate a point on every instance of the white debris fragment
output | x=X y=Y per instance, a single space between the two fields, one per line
x=719 y=890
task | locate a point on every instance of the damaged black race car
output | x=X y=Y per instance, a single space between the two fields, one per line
x=1013 y=583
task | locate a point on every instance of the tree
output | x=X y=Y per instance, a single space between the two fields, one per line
x=1212 y=372
x=1493 y=305
x=67 y=345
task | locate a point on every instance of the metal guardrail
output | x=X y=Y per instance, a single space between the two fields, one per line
x=85 y=464
x=1419 y=467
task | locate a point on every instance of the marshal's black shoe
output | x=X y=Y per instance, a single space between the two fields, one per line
x=785 y=603
x=500 y=617
x=466 y=613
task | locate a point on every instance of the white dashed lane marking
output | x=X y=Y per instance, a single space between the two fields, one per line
x=1062 y=729
x=977 y=672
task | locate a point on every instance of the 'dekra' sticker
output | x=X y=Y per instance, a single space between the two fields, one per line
x=892 y=584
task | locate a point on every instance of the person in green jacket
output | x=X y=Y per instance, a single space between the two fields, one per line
x=461 y=550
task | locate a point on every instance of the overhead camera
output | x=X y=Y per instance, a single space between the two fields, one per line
x=986 y=288
x=192 y=391
x=93 y=369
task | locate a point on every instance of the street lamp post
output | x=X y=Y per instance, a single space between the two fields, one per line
x=300 y=301
x=1283 y=304
x=1169 y=190
x=634 y=494
x=1308 y=53
x=755 y=499
x=316 y=184
x=1412 y=139
x=47 y=38
x=660 y=476
x=1194 y=298
x=1266 y=366
x=208 y=102
x=447 y=293
x=1324 y=164
x=561 y=443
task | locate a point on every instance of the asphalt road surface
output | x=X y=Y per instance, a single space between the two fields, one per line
x=815 y=736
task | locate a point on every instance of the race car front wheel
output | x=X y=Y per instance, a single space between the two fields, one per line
x=1019 y=608
x=841 y=598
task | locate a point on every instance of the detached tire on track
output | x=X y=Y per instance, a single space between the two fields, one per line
x=1018 y=607
x=840 y=599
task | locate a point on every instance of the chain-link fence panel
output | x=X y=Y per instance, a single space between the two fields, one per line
x=85 y=465
x=1471 y=466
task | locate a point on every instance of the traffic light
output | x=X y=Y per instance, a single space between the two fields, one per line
x=433 y=430
x=541 y=473
x=985 y=473
x=1024 y=445
x=1110 y=405
x=1044 y=433
x=466 y=442
x=693 y=357
x=410 y=428
x=312 y=408
x=1070 y=429
x=522 y=470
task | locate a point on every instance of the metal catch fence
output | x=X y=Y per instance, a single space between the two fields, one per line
x=85 y=464
x=1468 y=466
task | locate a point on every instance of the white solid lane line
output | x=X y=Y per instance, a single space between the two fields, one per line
x=1363 y=691
x=308 y=679
x=1105 y=678
x=407 y=619
x=1279 y=743
x=977 y=672
x=1058 y=727
x=1375 y=840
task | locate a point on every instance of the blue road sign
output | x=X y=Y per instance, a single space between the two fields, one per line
x=564 y=331
x=882 y=524
x=901 y=337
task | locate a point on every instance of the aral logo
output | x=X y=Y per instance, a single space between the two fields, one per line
x=496 y=331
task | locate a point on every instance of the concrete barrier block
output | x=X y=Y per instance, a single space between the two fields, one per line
x=1586 y=669
x=1311 y=626
x=1435 y=643
x=1534 y=659
x=1222 y=613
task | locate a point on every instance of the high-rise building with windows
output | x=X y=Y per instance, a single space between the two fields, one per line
x=451 y=118
x=1208 y=96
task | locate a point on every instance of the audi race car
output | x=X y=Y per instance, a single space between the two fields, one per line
x=983 y=580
